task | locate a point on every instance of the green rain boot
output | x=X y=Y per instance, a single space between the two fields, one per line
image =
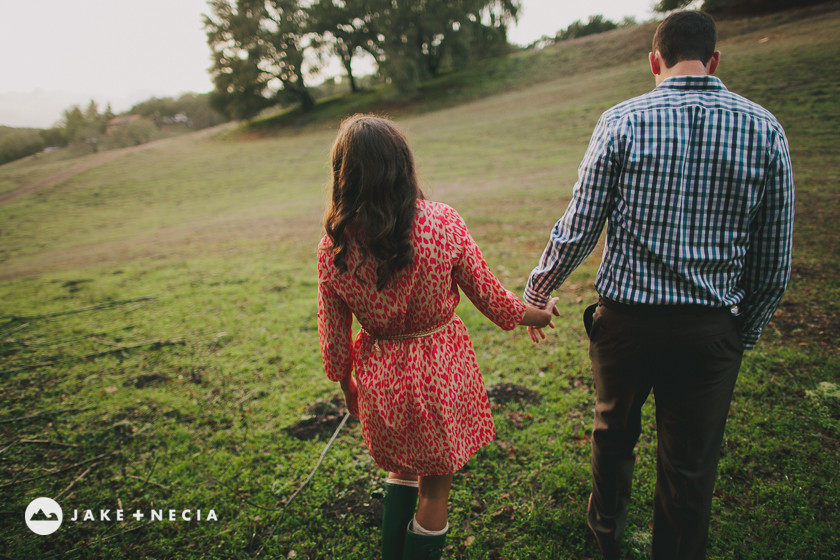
x=400 y=502
x=423 y=547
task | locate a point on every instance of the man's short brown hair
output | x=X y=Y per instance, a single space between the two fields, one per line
x=686 y=35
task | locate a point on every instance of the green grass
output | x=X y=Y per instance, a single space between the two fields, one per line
x=185 y=397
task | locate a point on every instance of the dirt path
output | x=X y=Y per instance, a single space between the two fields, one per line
x=89 y=163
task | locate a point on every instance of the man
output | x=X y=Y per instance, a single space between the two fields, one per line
x=696 y=186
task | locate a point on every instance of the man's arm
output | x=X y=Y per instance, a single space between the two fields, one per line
x=767 y=267
x=575 y=235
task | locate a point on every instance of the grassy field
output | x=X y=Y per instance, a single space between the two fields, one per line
x=158 y=343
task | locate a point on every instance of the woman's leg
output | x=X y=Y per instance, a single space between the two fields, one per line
x=426 y=535
x=432 y=510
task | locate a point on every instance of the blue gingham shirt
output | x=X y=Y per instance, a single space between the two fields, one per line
x=696 y=185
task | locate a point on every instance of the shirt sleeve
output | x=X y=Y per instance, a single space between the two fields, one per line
x=767 y=267
x=335 y=324
x=575 y=235
x=473 y=276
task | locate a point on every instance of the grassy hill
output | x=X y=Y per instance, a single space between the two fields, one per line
x=158 y=346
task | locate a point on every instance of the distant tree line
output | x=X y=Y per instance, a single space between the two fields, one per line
x=193 y=110
x=265 y=52
x=16 y=143
x=594 y=25
x=75 y=125
x=97 y=130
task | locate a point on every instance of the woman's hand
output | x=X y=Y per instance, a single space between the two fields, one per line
x=351 y=394
x=536 y=319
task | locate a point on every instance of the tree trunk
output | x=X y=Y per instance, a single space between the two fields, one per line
x=307 y=102
x=348 y=66
x=346 y=54
x=301 y=92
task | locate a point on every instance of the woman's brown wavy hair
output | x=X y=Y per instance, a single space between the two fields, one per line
x=374 y=194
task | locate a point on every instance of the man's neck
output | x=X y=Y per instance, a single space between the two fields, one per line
x=683 y=68
x=686 y=68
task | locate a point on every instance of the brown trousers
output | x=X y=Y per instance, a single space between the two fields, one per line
x=689 y=356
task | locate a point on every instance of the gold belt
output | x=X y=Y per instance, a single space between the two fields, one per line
x=408 y=336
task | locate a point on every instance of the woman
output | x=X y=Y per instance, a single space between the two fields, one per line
x=396 y=262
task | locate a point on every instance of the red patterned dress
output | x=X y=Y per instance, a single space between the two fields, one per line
x=422 y=402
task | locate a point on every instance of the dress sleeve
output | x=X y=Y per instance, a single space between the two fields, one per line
x=473 y=276
x=335 y=324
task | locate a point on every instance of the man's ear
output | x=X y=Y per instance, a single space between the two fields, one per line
x=712 y=65
x=655 y=63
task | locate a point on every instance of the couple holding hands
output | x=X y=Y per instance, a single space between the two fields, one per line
x=695 y=185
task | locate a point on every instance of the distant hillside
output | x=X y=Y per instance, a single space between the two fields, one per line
x=626 y=45
x=520 y=122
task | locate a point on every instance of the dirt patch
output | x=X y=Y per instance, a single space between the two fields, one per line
x=361 y=502
x=808 y=324
x=506 y=393
x=74 y=286
x=147 y=380
x=321 y=420
x=811 y=322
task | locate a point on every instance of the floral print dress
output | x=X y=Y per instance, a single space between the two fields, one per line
x=422 y=402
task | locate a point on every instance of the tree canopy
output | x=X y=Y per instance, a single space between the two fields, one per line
x=346 y=29
x=258 y=50
x=264 y=51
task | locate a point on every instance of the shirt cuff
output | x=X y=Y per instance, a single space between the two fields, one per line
x=749 y=339
x=535 y=298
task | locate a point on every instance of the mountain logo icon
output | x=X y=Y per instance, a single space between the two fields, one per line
x=43 y=516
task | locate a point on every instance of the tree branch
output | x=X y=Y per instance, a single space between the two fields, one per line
x=104 y=305
x=75 y=480
x=154 y=344
x=45 y=413
x=53 y=473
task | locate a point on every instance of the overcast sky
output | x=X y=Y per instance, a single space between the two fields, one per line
x=57 y=53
